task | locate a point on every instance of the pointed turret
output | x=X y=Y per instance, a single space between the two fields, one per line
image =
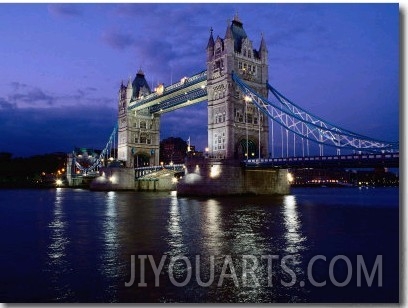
x=129 y=90
x=122 y=92
x=228 y=33
x=263 y=51
x=210 y=46
x=210 y=40
x=229 y=38
x=262 y=47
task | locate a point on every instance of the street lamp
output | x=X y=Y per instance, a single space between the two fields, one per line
x=247 y=99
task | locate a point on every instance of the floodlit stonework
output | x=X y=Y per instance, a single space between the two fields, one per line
x=232 y=119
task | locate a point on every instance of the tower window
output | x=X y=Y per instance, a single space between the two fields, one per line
x=249 y=118
x=143 y=124
x=143 y=138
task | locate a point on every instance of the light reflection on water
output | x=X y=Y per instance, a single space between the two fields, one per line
x=175 y=239
x=91 y=236
x=211 y=228
x=58 y=263
x=110 y=265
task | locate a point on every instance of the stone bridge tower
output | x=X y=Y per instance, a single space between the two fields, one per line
x=230 y=117
x=138 y=131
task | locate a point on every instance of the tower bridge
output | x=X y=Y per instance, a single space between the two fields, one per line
x=240 y=117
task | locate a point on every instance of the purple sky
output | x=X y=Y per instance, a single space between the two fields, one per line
x=62 y=64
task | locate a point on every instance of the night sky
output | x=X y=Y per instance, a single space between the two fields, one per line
x=62 y=65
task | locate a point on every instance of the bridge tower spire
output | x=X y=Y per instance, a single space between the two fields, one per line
x=230 y=117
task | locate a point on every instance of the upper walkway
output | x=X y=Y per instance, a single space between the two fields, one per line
x=188 y=91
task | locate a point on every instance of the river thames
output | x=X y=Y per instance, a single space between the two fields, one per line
x=315 y=245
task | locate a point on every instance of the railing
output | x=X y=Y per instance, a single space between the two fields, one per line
x=142 y=171
x=391 y=159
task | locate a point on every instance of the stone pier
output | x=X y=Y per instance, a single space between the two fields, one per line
x=114 y=179
x=210 y=177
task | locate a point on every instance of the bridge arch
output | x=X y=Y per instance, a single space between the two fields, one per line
x=241 y=148
x=141 y=159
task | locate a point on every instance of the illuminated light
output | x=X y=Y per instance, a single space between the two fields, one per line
x=247 y=98
x=111 y=158
x=159 y=89
x=173 y=193
x=215 y=171
x=58 y=182
x=290 y=177
x=113 y=179
x=174 y=180
x=203 y=86
x=192 y=178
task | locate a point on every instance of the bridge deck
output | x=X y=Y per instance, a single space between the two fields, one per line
x=390 y=160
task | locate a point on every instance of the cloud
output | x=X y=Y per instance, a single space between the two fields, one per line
x=17 y=85
x=31 y=97
x=27 y=96
x=64 y=10
x=5 y=105
x=118 y=40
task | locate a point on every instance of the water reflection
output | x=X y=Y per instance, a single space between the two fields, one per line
x=59 y=265
x=248 y=222
x=110 y=266
x=211 y=228
x=175 y=240
x=295 y=240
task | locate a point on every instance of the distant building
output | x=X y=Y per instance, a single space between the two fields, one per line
x=344 y=177
x=173 y=149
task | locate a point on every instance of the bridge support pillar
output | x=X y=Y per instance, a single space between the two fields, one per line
x=266 y=181
x=114 y=179
x=208 y=177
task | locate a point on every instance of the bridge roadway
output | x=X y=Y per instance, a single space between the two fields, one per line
x=389 y=160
